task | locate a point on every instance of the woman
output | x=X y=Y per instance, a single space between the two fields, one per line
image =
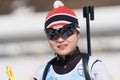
x=63 y=32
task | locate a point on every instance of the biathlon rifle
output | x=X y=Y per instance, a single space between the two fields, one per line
x=88 y=13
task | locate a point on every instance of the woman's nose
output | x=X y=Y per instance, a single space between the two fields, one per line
x=60 y=40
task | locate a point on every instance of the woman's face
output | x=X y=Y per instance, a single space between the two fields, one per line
x=64 y=47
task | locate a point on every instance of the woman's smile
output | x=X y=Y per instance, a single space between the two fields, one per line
x=62 y=46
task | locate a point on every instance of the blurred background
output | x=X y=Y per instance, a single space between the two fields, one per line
x=24 y=46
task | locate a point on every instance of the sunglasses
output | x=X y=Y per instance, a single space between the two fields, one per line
x=64 y=32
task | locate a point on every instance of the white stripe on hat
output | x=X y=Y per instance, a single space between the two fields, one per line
x=66 y=22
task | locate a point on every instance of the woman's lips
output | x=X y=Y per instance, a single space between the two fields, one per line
x=63 y=46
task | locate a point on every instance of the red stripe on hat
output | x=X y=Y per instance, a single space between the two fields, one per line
x=60 y=10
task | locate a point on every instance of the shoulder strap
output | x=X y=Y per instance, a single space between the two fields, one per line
x=85 y=65
x=47 y=68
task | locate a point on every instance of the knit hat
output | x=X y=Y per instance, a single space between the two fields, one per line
x=60 y=16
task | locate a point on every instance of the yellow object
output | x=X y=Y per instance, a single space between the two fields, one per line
x=10 y=73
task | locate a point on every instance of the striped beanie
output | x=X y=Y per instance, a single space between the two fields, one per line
x=60 y=16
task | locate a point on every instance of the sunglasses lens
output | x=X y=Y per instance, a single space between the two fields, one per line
x=51 y=34
x=68 y=32
x=64 y=32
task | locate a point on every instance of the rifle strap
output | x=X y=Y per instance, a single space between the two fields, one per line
x=47 y=68
x=85 y=57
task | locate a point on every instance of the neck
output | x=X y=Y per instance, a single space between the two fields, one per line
x=64 y=65
x=69 y=56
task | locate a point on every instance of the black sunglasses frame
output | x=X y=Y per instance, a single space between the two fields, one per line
x=64 y=32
